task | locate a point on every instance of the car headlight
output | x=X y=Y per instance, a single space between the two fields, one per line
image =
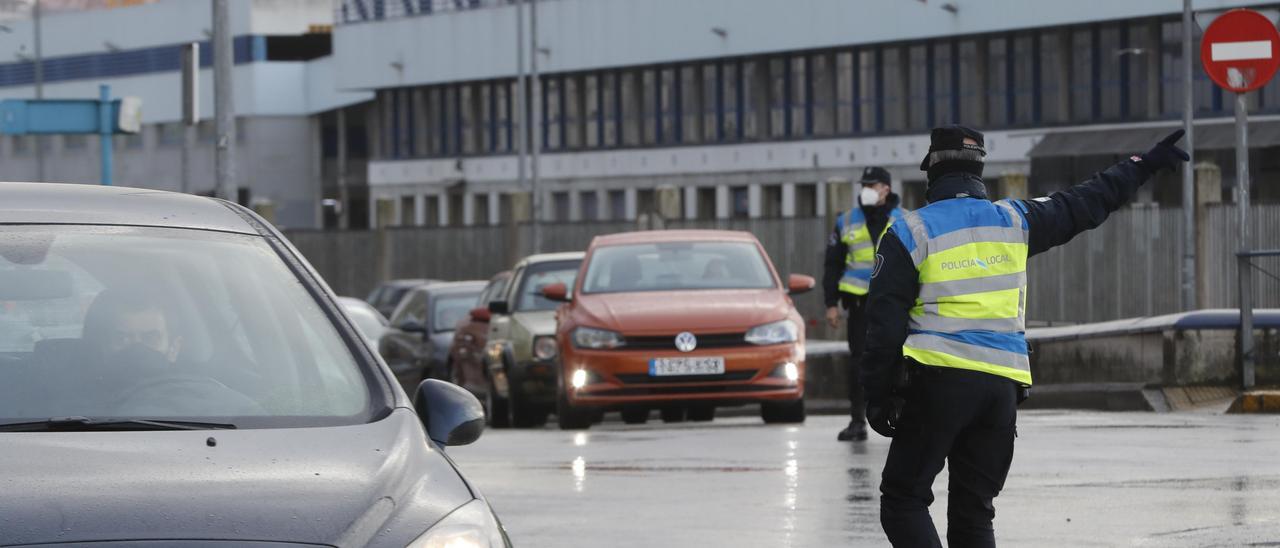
x=544 y=348
x=784 y=331
x=590 y=337
x=472 y=525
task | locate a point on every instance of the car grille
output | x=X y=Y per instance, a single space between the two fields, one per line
x=663 y=390
x=668 y=342
x=641 y=378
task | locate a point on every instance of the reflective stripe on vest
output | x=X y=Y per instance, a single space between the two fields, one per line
x=971 y=309
x=860 y=259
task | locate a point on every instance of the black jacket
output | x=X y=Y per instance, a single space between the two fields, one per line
x=1052 y=221
x=837 y=251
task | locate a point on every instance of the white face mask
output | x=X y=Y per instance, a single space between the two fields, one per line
x=870 y=196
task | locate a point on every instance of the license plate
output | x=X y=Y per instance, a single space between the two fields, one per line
x=665 y=367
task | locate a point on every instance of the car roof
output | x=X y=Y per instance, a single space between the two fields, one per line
x=79 y=204
x=550 y=257
x=654 y=236
x=409 y=282
x=454 y=287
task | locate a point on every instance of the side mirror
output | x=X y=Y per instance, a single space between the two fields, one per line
x=410 y=326
x=557 y=292
x=452 y=415
x=498 y=307
x=799 y=283
x=480 y=314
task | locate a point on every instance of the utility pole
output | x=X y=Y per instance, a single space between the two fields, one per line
x=1188 y=170
x=190 y=106
x=537 y=127
x=39 y=83
x=521 y=120
x=223 y=106
x=343 y=197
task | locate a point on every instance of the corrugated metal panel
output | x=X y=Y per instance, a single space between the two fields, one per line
x=1128 y=267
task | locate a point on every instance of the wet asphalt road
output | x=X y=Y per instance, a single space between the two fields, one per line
x=1078 y=479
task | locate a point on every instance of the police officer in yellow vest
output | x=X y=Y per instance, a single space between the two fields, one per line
x=946 y=312
x=847 y=274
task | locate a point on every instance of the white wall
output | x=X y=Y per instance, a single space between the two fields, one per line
x=161 y=23
x=261 y=89
x=585 y=34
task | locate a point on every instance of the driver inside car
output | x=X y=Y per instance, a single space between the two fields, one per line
x=123 y=325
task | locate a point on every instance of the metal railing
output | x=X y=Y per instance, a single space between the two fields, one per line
x=359 y=11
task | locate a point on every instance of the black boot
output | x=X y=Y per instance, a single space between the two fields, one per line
x=856 y=431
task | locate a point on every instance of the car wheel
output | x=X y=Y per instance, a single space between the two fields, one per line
x=496 y=408
x=635 y=415
x=569 y=417
x=702 y=413
x=525 y=415
x=791 y=412
x=672 y=414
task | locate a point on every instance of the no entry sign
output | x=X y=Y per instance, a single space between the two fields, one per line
x=1241 y=50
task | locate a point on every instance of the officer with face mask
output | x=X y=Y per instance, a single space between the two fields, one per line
x=946 y=311
x=847 y=273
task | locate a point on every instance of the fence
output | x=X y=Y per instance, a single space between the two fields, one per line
x=1128 y=267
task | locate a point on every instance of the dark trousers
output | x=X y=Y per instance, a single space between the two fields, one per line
x=857 y=334
x=967 y=419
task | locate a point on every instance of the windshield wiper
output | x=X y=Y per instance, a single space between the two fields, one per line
x=86 y=424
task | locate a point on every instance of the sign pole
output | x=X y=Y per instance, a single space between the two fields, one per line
x=1189 y=298
x=105 y=127
x=1241 y=52
x=1244 y=266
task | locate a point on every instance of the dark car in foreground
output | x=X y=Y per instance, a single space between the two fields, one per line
x=416 y=346
x=180 y=375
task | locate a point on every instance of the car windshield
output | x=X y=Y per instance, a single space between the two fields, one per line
x=166 y=324
x=677 y=265
x=450 y=309
x=539 y=275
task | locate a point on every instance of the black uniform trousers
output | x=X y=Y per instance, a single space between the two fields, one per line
x=857 y=335
x=968 y=419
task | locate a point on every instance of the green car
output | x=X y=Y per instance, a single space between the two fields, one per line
x=521 y=353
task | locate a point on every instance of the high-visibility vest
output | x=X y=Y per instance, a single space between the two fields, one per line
x=859 y=261
x=971 y=255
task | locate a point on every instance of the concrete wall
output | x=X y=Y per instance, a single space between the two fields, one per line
x=584 y=34
x=1160 y=358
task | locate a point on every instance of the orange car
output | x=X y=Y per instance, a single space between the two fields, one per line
x=682 y=321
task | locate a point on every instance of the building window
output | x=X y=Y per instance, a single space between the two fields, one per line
x=406 y=211
x=590 y=206
x=739 y=202
x=998 y=83
x=944 y=97
x=592 y=99
x=711 y=102
x=821 y=114
x=632 y=116
x=1025 y=80
x=844 y=75
x=456 y=204
x=431 y=205
x=617 y=205
x=731 y=113
x=560 y=206
x=552 y=116
x=918 y=90
x=1082 y=84
x=692 y=108
x=646 y=201
x=806 y=200
x=480 y=210
x=707 y=202
x=771 y=201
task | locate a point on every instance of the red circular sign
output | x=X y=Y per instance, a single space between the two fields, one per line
x=1241 y=50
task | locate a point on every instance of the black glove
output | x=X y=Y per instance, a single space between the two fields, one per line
x=1165 y=154
x=883 y=414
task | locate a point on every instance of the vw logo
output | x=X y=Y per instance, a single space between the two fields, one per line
x=686 y=342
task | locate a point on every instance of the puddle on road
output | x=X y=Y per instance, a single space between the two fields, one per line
x=579 y=467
